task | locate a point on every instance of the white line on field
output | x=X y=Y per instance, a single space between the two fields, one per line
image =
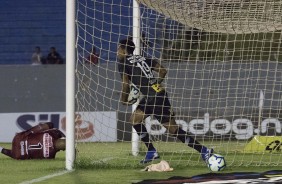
x=63 y=172
x=46 y=177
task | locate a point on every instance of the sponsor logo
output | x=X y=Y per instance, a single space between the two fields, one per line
x=27 y=121
x=242 y=128
x=47 y=143
x=83 y=129
x=274 y=146
x=84 y=126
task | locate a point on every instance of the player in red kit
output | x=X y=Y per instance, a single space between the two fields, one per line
x=40 y=142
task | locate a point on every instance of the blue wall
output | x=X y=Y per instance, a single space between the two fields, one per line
x=102 y=24
x=29 y=23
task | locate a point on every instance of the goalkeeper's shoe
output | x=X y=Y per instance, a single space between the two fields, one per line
x=206 y=154
x=150 y=156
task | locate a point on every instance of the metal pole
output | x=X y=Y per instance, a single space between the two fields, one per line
x=70 y=82
x=136 y=40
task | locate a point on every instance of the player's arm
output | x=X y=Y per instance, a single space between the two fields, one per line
x=160 y=70
x=56 y=133
x=125 y=89
x=6 y=152
x=39 y=128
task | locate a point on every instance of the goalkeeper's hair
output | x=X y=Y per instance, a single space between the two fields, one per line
x=128 y=45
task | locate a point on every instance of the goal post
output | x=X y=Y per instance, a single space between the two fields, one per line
x=70 y=83
x=224 y=80
x=136 y=39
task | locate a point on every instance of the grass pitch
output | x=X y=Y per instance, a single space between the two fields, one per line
x=113 y=163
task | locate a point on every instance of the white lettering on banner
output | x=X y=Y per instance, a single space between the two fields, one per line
x=271 y=120
x=243 y=128
x=195 y=122
x=182 y=124
x=18 y=122
x=194 y=127
x=224 y=122
x=242 y=134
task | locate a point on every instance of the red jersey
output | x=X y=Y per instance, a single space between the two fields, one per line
x=41 y=145
x=93 y=58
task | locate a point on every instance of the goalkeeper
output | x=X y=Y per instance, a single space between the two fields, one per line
x=139 y=71
x=40 y=142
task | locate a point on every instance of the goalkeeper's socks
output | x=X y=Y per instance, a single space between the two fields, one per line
x=195 y=144
x=142 y=132
x=146 y=139
x=181 y=135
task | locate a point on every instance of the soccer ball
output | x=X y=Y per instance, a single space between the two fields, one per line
x=216 y=163
x=133 y=95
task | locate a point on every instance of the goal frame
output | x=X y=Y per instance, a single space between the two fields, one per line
x=72 y=58
x=136 y=39
x=70 y=78
x=70 y=83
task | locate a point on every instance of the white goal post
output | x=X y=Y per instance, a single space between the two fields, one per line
x=136 y=39
x=70 y=82
x=224 y=62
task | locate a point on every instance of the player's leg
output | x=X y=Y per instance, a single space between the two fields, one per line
x=136 y=119
x=177 y=132
x=166 y=115
x=6 y=152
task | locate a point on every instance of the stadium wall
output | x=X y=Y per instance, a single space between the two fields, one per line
x=196 y=97
x=27 y=88
x=42 y=88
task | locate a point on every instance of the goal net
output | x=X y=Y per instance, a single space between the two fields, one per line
x=224 y=79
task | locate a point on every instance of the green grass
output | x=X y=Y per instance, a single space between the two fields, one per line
x=113 y=163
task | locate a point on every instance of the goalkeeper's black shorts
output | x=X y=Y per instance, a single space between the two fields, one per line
x=158 y=106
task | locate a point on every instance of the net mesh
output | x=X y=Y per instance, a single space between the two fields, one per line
x=224 y=78
x=228 y=16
